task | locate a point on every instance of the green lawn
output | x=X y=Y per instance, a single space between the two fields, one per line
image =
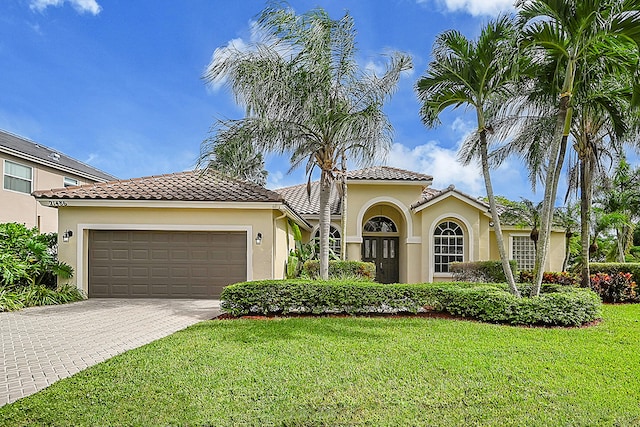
x=359 y=371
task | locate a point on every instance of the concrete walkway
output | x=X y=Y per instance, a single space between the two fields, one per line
x=41 y=345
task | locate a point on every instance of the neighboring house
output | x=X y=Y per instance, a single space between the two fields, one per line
x=27 y=166
x=189 y=235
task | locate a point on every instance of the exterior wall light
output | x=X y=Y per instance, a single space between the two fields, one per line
x=259 y=239
x=491 y=224
x=66 y=235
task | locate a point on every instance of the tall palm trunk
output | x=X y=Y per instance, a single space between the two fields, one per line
x=508 y=273
x=325 y=219
x=585 y=217
x=621 y=234
x=343 y=236
x=556 y=159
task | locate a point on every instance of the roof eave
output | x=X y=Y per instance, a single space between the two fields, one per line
x=450 y=193
x=53 y=165
x=424 y=183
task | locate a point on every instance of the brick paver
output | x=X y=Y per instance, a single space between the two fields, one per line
x=41 y=345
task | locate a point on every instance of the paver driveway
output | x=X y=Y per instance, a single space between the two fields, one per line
x=41 y=345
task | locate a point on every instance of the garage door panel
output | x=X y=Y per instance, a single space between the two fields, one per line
x=140 y=254
x=179 y=254
x=139 y=272
x=160 y=255
x=199 y=254
x=120 y=254
x=141 y=290
x=165 y=264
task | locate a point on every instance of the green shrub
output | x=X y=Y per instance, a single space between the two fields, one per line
x=15 y=298
x=613 y=268
x=614 y=288
x=563 y=278
x=9 y=300
x=28 y=257
x=342 y=270
x=557 y=305
x=481 y=271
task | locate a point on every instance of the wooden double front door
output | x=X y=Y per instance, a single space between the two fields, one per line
x=383 y=252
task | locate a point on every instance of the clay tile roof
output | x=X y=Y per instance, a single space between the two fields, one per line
x=299 y=200
x=297 y=197
x=387 y=173
x=182 y=186
x=24 y=148
x=429 y=194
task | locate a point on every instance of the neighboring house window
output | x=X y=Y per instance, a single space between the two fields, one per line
x=380 y=224
x=448 y=245
x=523 y=251
x=70 y=182
x=334 y=241
x=17 y=177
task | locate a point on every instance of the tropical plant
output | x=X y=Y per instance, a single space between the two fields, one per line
x=479 y=74
x=28 y=257
x=574 y=36
x=304 y=94
x=237 y=158
x=619 y=198
x=566 y=218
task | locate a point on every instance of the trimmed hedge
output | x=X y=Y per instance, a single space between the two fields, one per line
x=342 y=270
x=481 y=271
x=563 y=306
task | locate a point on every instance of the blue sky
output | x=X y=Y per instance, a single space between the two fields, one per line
x=117 y=83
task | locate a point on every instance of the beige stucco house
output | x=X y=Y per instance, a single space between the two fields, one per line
x=27 y=166
x=189 y=235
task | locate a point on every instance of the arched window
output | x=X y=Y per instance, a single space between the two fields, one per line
x=380 y=224
x=334 y=241
x=448 y=245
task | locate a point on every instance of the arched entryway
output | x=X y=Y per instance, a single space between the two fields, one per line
x=381 y=246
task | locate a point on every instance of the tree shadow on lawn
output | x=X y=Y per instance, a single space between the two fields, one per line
x=255 y=329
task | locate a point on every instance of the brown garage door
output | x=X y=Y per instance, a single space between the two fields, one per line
x=164 y=264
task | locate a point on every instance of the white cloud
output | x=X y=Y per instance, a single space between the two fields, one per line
x=475 y=7
x=439 y=162
x=462 y=126
x=374 y=67
x=81 y=6
x=221 y=53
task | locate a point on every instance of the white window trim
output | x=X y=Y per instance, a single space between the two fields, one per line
x=408 y=220
x=380 y=233
x=466 y=228
x=4 y=173
x=316 y=229
x=64 y=181
x=448 y=273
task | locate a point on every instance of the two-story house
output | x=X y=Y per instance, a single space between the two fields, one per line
x=27 y=166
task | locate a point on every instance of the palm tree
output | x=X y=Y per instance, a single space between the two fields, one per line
x=574 y=35
x=478 y=74
x=620 y=202
x=597 y=134
x=304 y=94
x=237 y=158
x=567 y=219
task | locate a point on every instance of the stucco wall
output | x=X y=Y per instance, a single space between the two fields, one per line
x=81 y=219
x=466 y=216
x=23 y=208
x=283 y=242
x=555 y=257
x=362 y=196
